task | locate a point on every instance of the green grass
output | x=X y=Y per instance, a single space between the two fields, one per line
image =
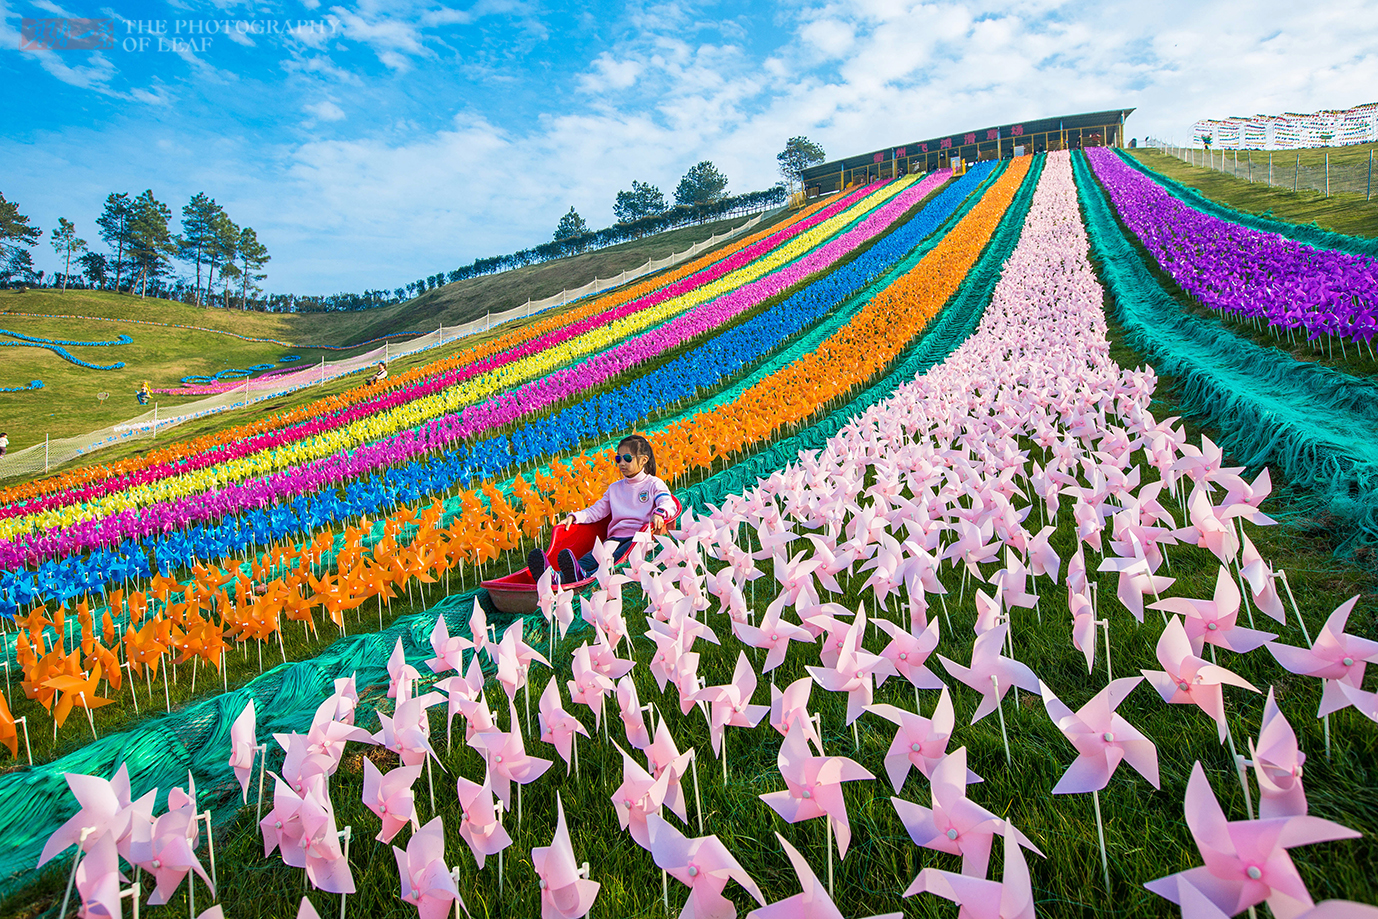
x=1145 y=833
x=1342 y=213
x=68 y=405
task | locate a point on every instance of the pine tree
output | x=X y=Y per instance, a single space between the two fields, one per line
x=799 y=154
x=198 y=234
x=644 y=200
x=702 y=184
x=150 y=243
x=253 y=255
x=15 y=237
x=114 y=228
x=571 y=225
x=65 y=242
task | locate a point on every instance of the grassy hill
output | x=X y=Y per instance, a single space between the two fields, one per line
x=1342 y=213
x=68 y=405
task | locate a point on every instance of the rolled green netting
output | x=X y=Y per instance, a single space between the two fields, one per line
x=160 y=752
x=1319 y=426
x=1310 y=235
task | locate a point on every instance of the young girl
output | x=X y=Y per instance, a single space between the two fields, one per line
x=632 y=501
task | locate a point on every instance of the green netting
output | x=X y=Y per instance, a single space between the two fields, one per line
x=1319 y=426
x=160 y=751
x=1311 y=235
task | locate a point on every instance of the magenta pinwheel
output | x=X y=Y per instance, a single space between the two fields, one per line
x=1277 y=762
x=1102 y=738
x=1336 y=657
x=391 y=798
x=812 y=902
x=566 y=890
x=558 y=726
x=480 y=823
x=813 y=787
x=991 y=674
x=954 y=824
x=919 y=742
x=1190 y=680
x=1009 y=898
x=1246 y=860
x=702 y=864
x=427 y=882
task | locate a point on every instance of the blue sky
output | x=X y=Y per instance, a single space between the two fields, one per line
x=373 y=143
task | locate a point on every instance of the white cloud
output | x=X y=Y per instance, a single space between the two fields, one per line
x=325 y=110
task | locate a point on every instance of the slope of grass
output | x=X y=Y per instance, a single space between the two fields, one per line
x=1342 y=213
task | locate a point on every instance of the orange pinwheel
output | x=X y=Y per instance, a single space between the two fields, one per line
x=9 y=734
x=76 y=690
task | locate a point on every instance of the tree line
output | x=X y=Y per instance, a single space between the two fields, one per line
x=142 y=249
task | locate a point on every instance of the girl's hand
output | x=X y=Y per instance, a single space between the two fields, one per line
x=568 y=521
x=659 y=525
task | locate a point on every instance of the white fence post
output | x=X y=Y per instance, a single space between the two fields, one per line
x=45 y=453
x=155 y=420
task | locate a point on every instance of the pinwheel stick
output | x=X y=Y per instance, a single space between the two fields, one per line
x=210 y=845
x=72 y=878
x=1000 y=706
x=89 y=719
x=346 y=834
x=1100 y=836
x=1105 y=624
x=24 y=720
x=430 y=781
x=262 y=751
x=828 y=844
x=698 y=794
x=1300 y=621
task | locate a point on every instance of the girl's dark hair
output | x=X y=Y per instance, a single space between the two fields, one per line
x=640 y=447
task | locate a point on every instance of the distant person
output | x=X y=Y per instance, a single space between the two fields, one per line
x=4 y=442
x=380 y=374
x=144 y=392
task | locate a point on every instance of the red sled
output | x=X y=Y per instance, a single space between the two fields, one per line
x=517 y=592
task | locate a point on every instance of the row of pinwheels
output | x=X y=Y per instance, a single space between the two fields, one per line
x=405 y=409
x=933 y=467
x=705 y=367
x=92 y=481
x=477 y=536
x=56 y=346
x=1230 y=267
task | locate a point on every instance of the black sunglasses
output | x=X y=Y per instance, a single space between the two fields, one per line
x=622 y=457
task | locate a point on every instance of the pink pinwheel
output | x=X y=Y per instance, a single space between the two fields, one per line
x=1136 y=580
x=1102 y=739
x=558 y=726
x=789 y=710
x=987 y=663
x=731 y=702
x=589 y=686
x=300 y=764
x=566 y=891
x=1043 y=560
x=449 y=651
x=480 y=826
x=408 y=731
x=1187 y=679
x=243 y=748
x=427 y=882
x=401 y=675
x=604 y=659
x=813 y=786
x=328 y=738
x=855 y=671
x=341 y=704
x=1277 y=764
x=478 y=718
x=1336 y=658
x=515 y=658
x=324 y=861
x=812 y=902
x=1083 y=625
x=832 y=560
x=461 y=689
x=1213 y=621
x=1259 y=576
x=282 y=827
x=1246 y=861
x=773 y=634
x=989 y=612
x=390 y=797
x=105 y=807
x=664 y=759
x=98 y=879
x=478 y=628
x=1011 y=898
x=1012 y=582
x=164 y=849
x=907 y=652
x=887 y=569
x=971 y=547
x=638 y=796
x=1209 y=529
x=629 y=710
x=955 y=824
x=796 y=579
x=704 y=866
x=603 y=611
x=507 y=759
x=920 y=742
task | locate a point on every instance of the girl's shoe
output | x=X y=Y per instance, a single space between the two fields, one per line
x=536 y=562
x=569 y=567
